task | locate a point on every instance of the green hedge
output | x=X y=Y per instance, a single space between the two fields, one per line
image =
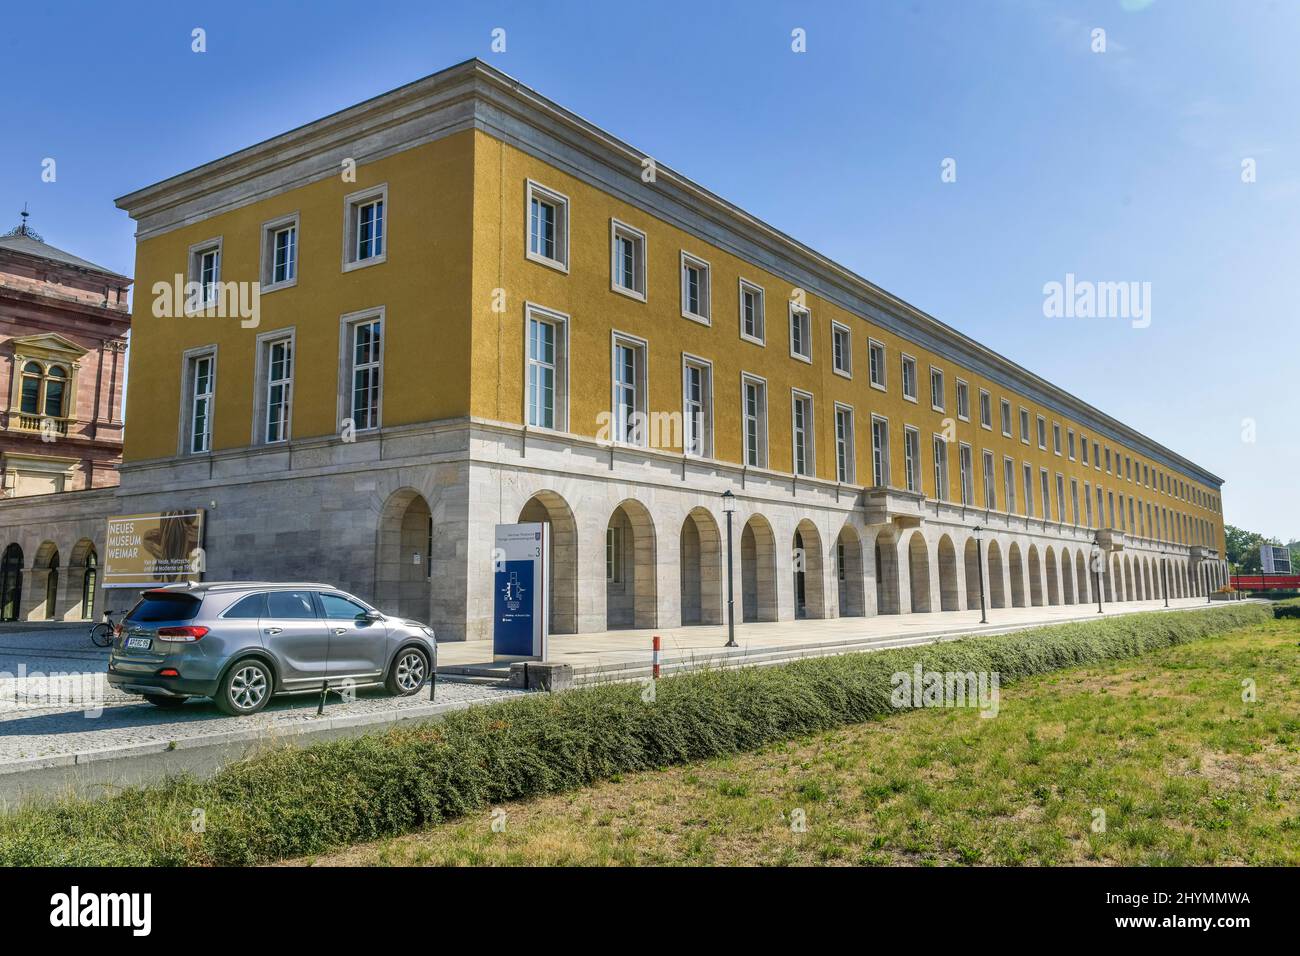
x=290 y=802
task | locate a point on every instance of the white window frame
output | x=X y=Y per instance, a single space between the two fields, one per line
x=197 y=253
x=844 y=365
x=913 y=479
x=705 y=368
x=1060 y=498
x=989 y=464
x=544 y=194
x=262 y=384
x=965 y=473
x=1041 y=432
x=352 y=205
x=805 y=323
x=1056 y=439
x=760 y=317
x=962 y=388
x=986 y=404
x=189 y=399
x=846 y=465
x=347 y=352
x=799 y=397
x=907 y=361
x=560 y=366
x=1008 y=484
x=759 y=418
x=939 y=459
x=880 y=463
x=938 y=397
x=622 y=230
x=640 y=388
x=1070 y=446
x=881 y=366
x=1027 y=478
x=270 y=230
x=690 y=261
x=1026 y=429
x=1045 y=489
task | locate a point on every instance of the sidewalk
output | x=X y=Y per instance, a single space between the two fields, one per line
x=615 y=655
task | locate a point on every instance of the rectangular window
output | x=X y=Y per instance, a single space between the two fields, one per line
x=627 y=260
x=1096 y=455
x=1042 y=432
x=548 y=368
x=990 y=490
x=879 y=452
x=1069 y=444
x=800 y=333
x=801 y=424
x=548 y=226
x=364 y=365
x=1027 y=476
x=628 y=380
x=1056 y=438
x=842 y=349
x=201 y=376
x=280 y=253
x=1009 y=484
x=845 y=466
x=365 y=228
x=965 y=466
x=1087 y=502
x=1045 y=494
x=938 y=401
x=614 y=554
x=1074 y=500
x=696 y=292
x=909 y=378
x=1108 y=460
x=940 y=452
x=753 y=394
x=1083 y=447
x=876 y=359
x=752 y=322
x=986 y=410
x=278 y=364
x=697 y=407
x=963 y=401
x=911 y=458
x=1024 y=425
x=1060 y=498
x=205 y=269
x=1006 y=418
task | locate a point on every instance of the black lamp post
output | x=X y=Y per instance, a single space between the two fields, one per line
x=979 y=562
x=1096 y=569
x=729 y=508
x=1164 y=576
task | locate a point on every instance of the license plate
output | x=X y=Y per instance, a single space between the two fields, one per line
x=138 y=643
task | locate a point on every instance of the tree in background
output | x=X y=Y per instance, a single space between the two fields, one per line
x=1243 y=550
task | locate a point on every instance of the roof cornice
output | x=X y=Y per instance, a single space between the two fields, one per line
x=473 y=94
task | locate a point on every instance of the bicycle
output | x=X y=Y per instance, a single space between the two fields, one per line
x=101 y=635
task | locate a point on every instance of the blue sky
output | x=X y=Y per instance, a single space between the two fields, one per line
x=1117 y=166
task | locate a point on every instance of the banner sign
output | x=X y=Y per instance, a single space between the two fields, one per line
x=147 y=550
x=521 y=574
x=1275 y=560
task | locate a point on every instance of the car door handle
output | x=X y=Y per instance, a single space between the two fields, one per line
x=340 y=630
x=274 y=630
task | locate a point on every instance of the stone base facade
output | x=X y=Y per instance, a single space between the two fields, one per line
x=406 y=519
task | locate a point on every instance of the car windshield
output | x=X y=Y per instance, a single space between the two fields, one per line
x=164 y=606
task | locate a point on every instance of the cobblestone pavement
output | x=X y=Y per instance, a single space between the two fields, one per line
x=31 y=725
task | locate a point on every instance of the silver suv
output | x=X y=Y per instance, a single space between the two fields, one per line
x=242 y=642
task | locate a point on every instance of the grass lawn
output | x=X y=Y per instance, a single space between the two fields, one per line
x=1186 y=772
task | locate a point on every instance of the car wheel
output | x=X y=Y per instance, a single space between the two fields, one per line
x=158 y=700
x=246 y=688
x=409 y=672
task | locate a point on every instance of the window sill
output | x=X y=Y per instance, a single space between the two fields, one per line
x=842 y=373
x=270 y=287
x=630 y=293
x=756 y=341
x=807 y=360
x=353 y=264
x=541 y=260
x=701 y=319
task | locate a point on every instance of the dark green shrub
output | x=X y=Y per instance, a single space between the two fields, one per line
x=292 y=802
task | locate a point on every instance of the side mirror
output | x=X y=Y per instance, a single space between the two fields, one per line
x=372 y=616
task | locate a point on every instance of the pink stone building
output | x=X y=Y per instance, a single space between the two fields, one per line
x=63 y=338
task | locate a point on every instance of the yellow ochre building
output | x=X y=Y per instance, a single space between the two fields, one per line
x=474 y=307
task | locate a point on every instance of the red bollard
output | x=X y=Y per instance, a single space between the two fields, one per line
x=655 y=666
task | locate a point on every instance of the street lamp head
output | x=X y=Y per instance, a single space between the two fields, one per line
x=978 y=531
x=728 y=502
